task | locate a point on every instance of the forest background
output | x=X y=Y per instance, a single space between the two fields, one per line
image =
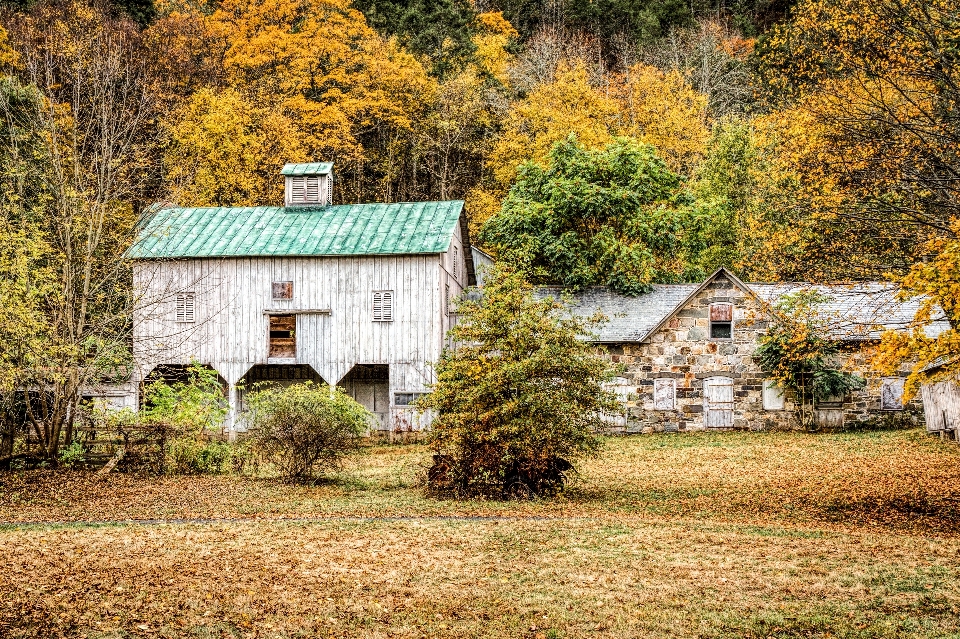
x=618 y=142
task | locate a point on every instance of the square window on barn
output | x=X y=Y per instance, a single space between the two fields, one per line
x=383 y=306
x=283 y=290
x=406 y=399
x=186 y=307
x=772 y=396
x=664 y=394
x=891 y=393
x=721 y=321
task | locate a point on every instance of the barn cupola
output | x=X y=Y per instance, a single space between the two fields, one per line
x=308 y=184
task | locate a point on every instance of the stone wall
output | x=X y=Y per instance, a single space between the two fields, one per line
x=683 y=350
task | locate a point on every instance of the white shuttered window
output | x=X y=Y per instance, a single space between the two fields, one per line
x=186 y=307
x=383 y=306
x=772 y=396
x=305 y=189
x=664 y=393
x=891 y=393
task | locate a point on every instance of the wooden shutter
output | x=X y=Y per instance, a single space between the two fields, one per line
x=388 y=306
x=772 y=396
x=298 y=189
x=328 y=184
x=891 y=393
x=383 y=306
x=664 y=394
x=186 y=307
x=718 y=402
x=456 y=261
x=313 y=188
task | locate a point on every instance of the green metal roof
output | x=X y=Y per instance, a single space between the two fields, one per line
x=266 y=231
x=313 y=168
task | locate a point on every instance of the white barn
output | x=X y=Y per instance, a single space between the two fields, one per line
x=354 y=295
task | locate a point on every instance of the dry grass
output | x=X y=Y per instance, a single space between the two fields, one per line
x=740 y=535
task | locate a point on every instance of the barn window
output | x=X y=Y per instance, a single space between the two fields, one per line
x=186 y=307
x=283 y=337
x=772 y=396
x=664 y=394
x=283 y=290
x=721 y=321
x=446 y=299
x=456 y=262
x=891 y=393
x=383 y=306
x=406 y=399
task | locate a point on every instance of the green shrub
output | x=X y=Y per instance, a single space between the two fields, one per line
x=72 y=455
x=519 y=399
x=305 y=429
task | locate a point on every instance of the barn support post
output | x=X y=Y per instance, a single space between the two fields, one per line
x=233 y=414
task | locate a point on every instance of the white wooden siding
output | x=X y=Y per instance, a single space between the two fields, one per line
x=772 y=396
x=231 y=330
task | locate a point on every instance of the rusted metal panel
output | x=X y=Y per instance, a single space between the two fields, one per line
x=721 y=312
x=283 y=290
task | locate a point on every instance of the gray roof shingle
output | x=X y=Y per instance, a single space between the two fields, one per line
x=853 y=312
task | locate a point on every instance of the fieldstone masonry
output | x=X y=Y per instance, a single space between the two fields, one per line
x=682 y=349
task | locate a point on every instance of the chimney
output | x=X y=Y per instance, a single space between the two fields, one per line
x=308 y=184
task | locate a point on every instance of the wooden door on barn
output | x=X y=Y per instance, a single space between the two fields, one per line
x=718 y=402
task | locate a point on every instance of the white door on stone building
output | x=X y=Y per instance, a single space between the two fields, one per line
x=718 y=402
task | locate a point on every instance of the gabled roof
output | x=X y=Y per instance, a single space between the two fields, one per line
x=854 y=312
x=272 y=231
x=310 y=168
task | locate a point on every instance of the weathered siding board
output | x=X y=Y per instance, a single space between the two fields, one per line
x=941 y=406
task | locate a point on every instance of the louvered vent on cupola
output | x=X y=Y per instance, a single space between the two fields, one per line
x=308 y=184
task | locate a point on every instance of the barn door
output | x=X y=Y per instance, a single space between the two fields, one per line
x=718 y=402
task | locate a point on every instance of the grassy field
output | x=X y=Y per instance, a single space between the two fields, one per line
x=716 y=535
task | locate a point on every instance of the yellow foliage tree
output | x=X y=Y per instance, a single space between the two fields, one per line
x=935 y=357
x=494 y=36
x=318 y=62
x=226 y=151
x=663 y=110
x=550 y=114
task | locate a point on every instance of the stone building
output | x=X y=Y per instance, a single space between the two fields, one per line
x=686 y=353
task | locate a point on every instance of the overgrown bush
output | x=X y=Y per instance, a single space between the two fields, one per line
x=798 y=352
x=305 y=429
x=519 y=399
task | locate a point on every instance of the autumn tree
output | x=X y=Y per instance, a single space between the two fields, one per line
x=78 y=119
x=520 y=397
x=869 y=102
x=613 y=217
x=353 y=95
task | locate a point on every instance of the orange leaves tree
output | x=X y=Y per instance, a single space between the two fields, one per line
x=935 y=355
x=520 y=392
x=871 y=92
x=314 y=80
